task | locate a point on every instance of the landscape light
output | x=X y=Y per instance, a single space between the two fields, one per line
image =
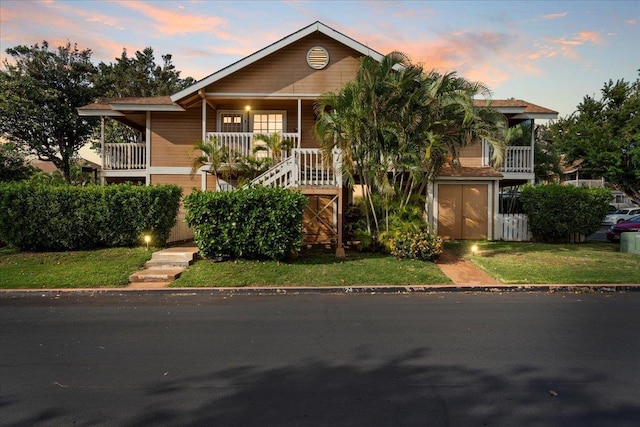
x=147 y=239
x=474 y=249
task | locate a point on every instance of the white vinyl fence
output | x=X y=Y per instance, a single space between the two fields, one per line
x=513 y=228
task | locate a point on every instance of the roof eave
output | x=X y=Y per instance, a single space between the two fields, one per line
x=99 y=112
x=147 y=107
x=541 y=116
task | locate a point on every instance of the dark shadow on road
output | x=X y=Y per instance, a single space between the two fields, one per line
x=403 y=391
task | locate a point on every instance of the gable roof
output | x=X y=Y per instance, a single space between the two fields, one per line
x=262 y=53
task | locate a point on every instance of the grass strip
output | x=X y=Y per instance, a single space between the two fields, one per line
x=78 y=269
x=526 y=262
x=316 y=267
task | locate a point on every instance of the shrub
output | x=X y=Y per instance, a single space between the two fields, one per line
x=253 y=222
x=40 y=217
x=559 y=212
x=420 y=245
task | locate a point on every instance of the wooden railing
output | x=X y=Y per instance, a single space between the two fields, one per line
x=124 y=156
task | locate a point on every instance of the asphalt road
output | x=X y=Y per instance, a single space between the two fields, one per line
x=450 y=359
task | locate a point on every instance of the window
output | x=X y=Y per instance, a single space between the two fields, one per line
x=231 y=122
x=259 y=121
x=268 y=122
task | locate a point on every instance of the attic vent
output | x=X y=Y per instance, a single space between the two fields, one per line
x=317 y=58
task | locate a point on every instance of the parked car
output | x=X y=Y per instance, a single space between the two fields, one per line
x=614 y=232
x=621 y=215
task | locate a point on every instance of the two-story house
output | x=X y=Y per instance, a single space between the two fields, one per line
x=274 y=90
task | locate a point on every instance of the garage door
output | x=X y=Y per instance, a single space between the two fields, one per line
x=462 y=211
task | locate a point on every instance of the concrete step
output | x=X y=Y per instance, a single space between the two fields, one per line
x=172 y=257
x=157 y=274
x=153 y=263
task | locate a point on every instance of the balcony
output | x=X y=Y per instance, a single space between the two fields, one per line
x=518 y=162
x=243 y=143
x=132 y=156
x=124 y=156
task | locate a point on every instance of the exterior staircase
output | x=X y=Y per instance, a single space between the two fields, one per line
x=164 y=266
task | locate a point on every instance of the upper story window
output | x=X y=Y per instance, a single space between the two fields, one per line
x=252 y=121
x=268 y=122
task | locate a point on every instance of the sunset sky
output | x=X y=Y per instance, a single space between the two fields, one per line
x=551 y=53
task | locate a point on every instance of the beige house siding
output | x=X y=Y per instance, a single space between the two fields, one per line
x=187 y=182
x=172 y=135
x=286 y=71
x=471 y=155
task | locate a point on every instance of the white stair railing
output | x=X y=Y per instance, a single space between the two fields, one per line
x=280 y=175
x=305 y=167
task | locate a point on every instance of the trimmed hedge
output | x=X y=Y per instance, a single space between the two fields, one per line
x=252 y=223
x=558 y=212
x=40 y=217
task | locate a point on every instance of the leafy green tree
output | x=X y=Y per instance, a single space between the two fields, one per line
x=605 y=134
x=135 y=76
x=40 y=90
x=139 y=76
x=13 y=164
x=547 y=158
x=397 y=126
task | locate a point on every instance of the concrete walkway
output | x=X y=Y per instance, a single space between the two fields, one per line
x=463 y=273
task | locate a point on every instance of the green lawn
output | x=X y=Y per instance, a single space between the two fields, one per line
x=97 y=268
x=317 y=267
x=522 y=263
x=509 y=262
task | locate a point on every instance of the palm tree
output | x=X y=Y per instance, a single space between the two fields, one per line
x=274 y=145
x=397 y=126
x=213 y=155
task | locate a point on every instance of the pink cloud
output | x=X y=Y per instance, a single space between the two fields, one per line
x=630 y=22
x=566 y=47
x=167 y=22
x=589 y=36
x=553 y=16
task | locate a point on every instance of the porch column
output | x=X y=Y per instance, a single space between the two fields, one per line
x=203 y=180
x=147 y=140
x=102 y=149
x=299 y=121
x=339 y=248
x=533 y=149
x=204 y=120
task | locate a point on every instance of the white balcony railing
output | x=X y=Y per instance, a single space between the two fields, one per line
x=517 y=159
x=131 y=156
x=124 y=156
x=243 y=143
x=586 y=182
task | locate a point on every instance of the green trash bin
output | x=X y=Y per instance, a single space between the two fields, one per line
x=630 y=242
